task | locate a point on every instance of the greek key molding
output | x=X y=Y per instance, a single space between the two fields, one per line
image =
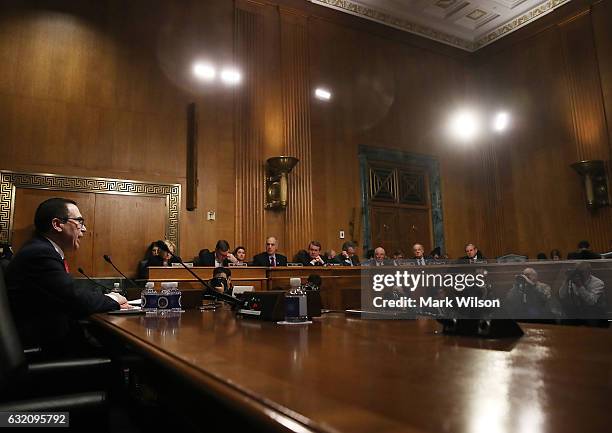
x=10 y=181
x=440 y=36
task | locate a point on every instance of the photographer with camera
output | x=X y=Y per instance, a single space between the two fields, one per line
x=222 y=280
x=530 y=298
x=583 y=295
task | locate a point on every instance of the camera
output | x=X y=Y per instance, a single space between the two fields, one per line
x=219 y=282
x=522 y=280
x=572 y=274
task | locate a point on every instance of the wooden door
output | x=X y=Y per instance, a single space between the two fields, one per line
x=400 y=211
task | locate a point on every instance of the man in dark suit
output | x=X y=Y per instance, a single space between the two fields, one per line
x=45 y=302
x=270 y=257
x=347 y=256
x=379 y=259
x=314 y=257
x=419 y=255
x=472 y=254
x=584 y=252
x=221 y=257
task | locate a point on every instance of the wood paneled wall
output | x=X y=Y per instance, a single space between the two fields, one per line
x=250 y=124
x=296 y=91
x=100 y=89
x=554 y=78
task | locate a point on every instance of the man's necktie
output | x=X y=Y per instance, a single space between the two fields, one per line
x=66 y=266
x=272 y=261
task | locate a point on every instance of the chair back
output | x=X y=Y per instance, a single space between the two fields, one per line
x=512 y=258
x=12 y=359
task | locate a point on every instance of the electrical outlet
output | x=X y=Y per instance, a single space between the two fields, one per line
x=211 y=215
x=341 y=234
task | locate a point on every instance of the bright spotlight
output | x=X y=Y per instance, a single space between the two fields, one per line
x=501 y=121
x=204 y=71
x=322 y=94
x=231 y=76
x=464 y=125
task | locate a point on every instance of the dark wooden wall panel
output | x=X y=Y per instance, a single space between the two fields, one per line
x=296 y=92
x=120 y=233
x=100 y=89
x=250 y=173
x=552 y=84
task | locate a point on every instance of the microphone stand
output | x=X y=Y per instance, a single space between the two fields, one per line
x=106 y=289
x=108 y=260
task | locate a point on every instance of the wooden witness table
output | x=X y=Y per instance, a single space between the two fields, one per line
x=347 y=374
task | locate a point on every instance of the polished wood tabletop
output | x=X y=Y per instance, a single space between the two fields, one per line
x=347 y=374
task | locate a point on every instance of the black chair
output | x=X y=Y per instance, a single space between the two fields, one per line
x=512 y=258
x=25 y=386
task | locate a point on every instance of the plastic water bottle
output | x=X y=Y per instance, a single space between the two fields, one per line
x=296 y=302
x=163 y=301
x=149 y=297
x=174 y=297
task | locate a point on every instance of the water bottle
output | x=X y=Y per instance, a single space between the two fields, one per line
x=296 y=303
x=163 y=301
x=149 y=297
x=175 y=297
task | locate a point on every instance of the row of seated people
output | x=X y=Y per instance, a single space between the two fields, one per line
x=313 y=256
x=582 y=294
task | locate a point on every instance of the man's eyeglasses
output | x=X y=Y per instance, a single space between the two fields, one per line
x=80 y=221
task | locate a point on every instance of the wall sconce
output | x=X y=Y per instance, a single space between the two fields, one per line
x=277 y=169
x=595 y=182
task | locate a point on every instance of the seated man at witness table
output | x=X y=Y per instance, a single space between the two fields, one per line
x=347 y=256
x=44 y=300
x=220 y=257
x=379 y=258
x=270 y=257
x=314 y=257
x=419 y=255
x=584 y=252
x=472 y=254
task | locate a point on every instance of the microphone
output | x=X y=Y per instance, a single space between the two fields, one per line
x=106 y=289
x=108 y=260
x=208 y=289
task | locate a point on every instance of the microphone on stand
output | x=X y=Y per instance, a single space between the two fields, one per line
x=108 y=260
x=106 y=289
x=208 y=289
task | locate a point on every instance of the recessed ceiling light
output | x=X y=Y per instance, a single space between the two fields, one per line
x=231 y=76
x=464 y=125
x=204 y=71
x=322 y=94
x=501 y=121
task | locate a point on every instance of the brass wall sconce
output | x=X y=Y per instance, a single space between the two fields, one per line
x=277 y=169
x=595 y=182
